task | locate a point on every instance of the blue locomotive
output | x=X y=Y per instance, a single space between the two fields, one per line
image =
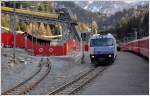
x=102 y=48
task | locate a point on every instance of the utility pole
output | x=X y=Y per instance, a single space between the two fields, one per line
x=32 y=33
x=32 y=8
x=83 y=36
x=82 y=50
x=36 y=31
x=26 y=38
x=25 y=34
x=14 y=31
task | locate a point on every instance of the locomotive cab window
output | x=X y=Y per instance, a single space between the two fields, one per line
x=101 y=42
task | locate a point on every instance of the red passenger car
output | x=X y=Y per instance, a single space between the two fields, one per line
x=140 y=46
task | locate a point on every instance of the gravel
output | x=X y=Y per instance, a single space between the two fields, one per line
x=12 y=75
x=63 y=69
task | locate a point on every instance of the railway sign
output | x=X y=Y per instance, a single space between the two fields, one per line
x=51 y=49
x=40 y=49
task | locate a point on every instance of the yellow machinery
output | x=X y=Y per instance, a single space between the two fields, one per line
x=22 y=11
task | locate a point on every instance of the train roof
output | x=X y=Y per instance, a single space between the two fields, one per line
x=95 y=36
x=144 y=38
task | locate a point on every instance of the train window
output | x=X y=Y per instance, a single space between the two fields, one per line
x=101 y=42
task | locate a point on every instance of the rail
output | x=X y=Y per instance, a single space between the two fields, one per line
x=27 y=85
x=74 y=85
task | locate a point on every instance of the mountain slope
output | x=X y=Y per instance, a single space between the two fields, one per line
x=82 y=14
x=108 y=7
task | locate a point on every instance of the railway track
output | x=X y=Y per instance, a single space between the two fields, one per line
x=72 y=86
x=27 y=85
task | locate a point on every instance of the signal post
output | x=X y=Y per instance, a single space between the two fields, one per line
x=83 y=38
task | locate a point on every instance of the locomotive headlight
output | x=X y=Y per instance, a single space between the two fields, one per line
x=109 y=56
x=92 y=56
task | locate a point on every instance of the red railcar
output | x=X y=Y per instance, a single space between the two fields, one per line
x=144 y=47
x=140 y=46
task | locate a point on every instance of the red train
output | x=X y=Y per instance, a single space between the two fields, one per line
x=42 y=47
x=140 y=46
